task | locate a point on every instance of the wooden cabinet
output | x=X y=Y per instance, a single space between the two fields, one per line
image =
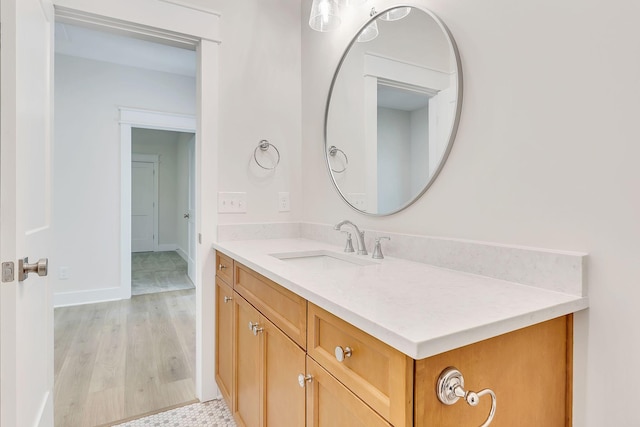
x=284 y=308
x=267 y=367
x=224 y=339
x=224 y=268
x=261 y=343
x=376 y=372
x=246 y=395
x=331 y=404
x=528 y=369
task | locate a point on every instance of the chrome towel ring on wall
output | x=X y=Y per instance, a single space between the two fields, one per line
x=264 y=145
x=333 y=151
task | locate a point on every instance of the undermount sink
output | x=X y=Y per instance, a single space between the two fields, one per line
x=321 y=260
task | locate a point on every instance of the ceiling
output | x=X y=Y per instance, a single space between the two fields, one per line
x=118 y=49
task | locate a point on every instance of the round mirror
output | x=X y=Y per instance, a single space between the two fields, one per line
x=393 y=110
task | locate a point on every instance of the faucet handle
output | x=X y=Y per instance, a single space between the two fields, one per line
x=349 y=245
x=377 y=250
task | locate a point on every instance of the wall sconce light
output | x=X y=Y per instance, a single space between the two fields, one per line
x=395 y=14
x=369 y=33
x=325 y=15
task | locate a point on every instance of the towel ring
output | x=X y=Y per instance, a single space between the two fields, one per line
x=264 y=146
x=333 y=151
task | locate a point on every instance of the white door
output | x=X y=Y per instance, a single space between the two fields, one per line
x=142 y=206
x=191 y=212
x=26 y=309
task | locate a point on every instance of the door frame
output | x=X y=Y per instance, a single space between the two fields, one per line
x=149 y=158
x=131 y=118
x=179 y=24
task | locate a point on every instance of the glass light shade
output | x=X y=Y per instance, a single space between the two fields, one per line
x=325 y=15
x=369 y=33
x=395 y=14
x=351 y=2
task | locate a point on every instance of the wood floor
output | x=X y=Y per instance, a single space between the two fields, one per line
x=116 y=360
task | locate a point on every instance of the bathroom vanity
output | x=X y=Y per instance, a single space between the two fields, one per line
x=307 y=335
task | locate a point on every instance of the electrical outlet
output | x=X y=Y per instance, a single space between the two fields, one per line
x=284 y=202
x=232 y=202
x=358 y=200
x=64 y=273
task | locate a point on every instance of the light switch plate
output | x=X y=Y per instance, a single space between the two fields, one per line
x=232 y=202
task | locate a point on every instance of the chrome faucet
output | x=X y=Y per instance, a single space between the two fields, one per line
x=362 y=249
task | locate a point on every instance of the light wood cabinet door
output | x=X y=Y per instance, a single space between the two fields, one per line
x=224 y=339
x=247 y=361
x=267 y=365
x=331 y=404
x=528 y=369
x=283 y=399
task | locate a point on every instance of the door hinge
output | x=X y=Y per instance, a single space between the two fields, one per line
x=8 y=271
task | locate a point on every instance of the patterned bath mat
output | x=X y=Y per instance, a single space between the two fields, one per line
x=211 y=414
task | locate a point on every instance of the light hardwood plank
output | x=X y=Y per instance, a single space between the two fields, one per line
x=121 y=359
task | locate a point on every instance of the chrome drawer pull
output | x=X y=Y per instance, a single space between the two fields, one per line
x=227 y=299
x=221 y=267
x=342 y=353
x=255 y=328
x=451 y=388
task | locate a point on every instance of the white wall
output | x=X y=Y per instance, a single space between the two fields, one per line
x=546 y=155
x=86 y=176
x=259 y=99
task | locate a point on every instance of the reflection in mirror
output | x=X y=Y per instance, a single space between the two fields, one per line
x=393 y=111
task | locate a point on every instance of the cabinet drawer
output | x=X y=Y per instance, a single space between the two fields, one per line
x=329 y=403
x=376 y=372
x=224 y=268
x=285 y=309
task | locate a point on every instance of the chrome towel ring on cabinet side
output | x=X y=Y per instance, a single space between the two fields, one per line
x=333 y=151
x=264 y=145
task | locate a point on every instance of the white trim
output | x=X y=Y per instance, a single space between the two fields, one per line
x=193 y=6
x=182 y=253
x=189 y=23
x=149 y=18
x=399 y=71
x=65 y=299
x=155 y=159
x=167 y=247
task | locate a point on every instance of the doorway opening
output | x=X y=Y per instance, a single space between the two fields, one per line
x=118 y=356
x=162 y=211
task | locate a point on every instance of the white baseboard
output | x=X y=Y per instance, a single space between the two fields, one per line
x=183 y=254
x=66 y=299
x=166 y=247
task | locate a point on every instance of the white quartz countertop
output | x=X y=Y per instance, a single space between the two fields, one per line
x=416 y=308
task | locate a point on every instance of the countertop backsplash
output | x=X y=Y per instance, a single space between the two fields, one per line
x=555 y=270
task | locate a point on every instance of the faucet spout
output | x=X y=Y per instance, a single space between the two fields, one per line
x=362 y=249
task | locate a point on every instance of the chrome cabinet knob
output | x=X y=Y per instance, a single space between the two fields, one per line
x=303 y=379
x=227 y=299
x=341 y=353
x=221 y=267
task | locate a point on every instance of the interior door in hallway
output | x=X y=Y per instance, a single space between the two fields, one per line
x=26 y=322
x=143 y=206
